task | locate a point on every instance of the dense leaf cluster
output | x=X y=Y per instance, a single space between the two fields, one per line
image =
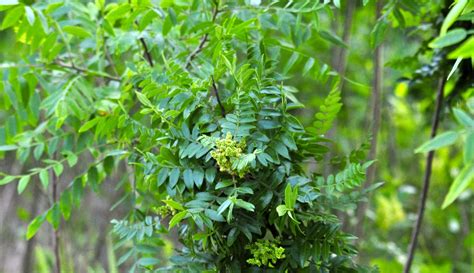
x=191 y=96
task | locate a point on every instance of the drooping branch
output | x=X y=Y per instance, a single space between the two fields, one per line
x=427 y=176
x=216 y=93
x=203 y=40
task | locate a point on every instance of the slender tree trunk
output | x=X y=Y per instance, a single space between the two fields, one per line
x=339 y=63
x=56 y=235
x=376 y=103
x=28 y=257
x=341 y=58
x=427 y=177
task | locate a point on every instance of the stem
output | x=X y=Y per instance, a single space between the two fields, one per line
x=376 y=102
x=427 y=176
x=87 y=71
x=214 y=87
x=146 y=52
x=204 y=39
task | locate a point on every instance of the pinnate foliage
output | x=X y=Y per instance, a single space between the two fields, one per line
x=189 y=98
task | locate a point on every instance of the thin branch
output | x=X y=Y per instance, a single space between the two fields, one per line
x=87 y=71
x=204 y=39
x=376 y=117
x=216 y=92
x=427 y=176
x=146 y=52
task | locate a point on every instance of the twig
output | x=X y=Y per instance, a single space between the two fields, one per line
x=87 y=71
x=146 y=52
x=427 y=176
x=204 y=39
x=216 y=92
x=376 y=119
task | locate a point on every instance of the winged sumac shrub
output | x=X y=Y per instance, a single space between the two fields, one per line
x=192 y=96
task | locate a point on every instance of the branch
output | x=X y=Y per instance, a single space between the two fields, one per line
x=214 y=87
x=204 y=39
x=87 y=71
x=146 y=52
x=427 y=176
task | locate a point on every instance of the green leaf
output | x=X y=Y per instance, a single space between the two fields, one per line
x=245 y=205
x=65 y=204
x=4 y=148
x=143 y=99
x=77 y=31
x=214 y=215
x=162 y=175
x=465 y=50
x=463 y=118
x=88 y=125
x=282 y=150
x=224 y=206
x=188 y=178
x=34 y=226
x=177 y=218
x=117 y=12
x=72 y=158
x=93 y=178
x=281 y=210
x=9 y=2
x=452 y=15
x=12 y=17
x=198 y=175
x=174 y=177
x=452 y=37
x=54 y=216
x=210 y=174
x=468 y=149
x=378 y=33
x=442 y=140
x=30 y=15
x=290 y=196
x=461 y=182
x=173 y=204
x=148 y=261
x=24 y=180
x=224 y=184
x=6 y=180
x=58 y=169
x=332 y=38
x=44 y=178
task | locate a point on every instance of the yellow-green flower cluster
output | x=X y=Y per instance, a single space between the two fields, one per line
x=265 y=253
x=165 y=210
x=226 y=153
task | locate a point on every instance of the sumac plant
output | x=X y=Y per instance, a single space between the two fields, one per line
x=187 y=101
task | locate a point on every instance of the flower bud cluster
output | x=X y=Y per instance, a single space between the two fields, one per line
x=226 y=153
x=265 y=253
x=165 y=210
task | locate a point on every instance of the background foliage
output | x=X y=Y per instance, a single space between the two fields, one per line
x=104 y=106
